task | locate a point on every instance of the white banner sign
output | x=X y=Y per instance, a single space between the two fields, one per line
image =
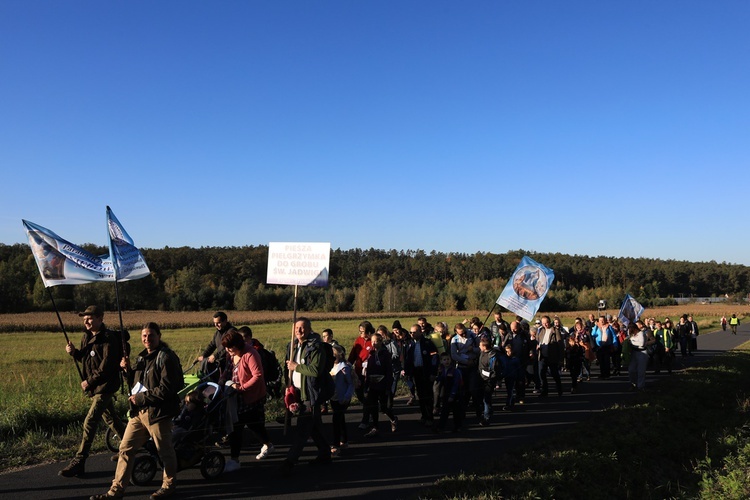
x=303 y=264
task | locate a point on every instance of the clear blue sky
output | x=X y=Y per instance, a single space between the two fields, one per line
x=617 y=128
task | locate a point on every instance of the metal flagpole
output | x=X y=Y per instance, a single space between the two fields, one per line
x=67 y=340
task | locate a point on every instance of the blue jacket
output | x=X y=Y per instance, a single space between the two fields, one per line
x=344 y=382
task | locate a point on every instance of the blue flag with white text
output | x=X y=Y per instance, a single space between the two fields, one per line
x=526 y=289
x=127 y=260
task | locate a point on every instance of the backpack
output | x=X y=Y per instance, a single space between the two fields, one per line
x=271 y=371
x=330 y=358
x=116 y=338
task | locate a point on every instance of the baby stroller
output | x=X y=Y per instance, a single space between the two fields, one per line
x=192 y=380
x=194 y=446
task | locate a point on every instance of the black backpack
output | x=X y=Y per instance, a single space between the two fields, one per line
x=271 y=372
x=330 y=358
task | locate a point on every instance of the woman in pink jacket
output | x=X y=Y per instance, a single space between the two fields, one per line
x=247 y=380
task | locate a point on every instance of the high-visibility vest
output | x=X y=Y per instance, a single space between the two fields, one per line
x=734 y=321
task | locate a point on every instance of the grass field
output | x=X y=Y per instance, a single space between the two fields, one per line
x=42 y=407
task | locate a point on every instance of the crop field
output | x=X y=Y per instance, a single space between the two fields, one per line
x=133 y=320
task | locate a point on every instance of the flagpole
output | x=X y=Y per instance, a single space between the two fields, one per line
x=288 y=415
x=62 y=325
x=490 y=314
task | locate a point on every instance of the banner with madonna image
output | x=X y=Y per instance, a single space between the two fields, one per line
x=63 y=263
x=526 y=288
x=630 y=311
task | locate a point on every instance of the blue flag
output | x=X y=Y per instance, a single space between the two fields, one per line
x=63 y=263
x=630 y=311
x=527 y=288
x=127 y=260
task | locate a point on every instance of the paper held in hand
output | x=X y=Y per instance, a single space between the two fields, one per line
x=138 y=388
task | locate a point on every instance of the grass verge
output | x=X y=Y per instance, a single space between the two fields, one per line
x=688 y=437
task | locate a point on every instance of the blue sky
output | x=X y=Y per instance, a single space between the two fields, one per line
x=617 y=128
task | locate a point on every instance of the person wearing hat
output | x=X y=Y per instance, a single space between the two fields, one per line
x=99 y=355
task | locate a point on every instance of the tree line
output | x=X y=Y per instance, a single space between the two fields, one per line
x=209 y=278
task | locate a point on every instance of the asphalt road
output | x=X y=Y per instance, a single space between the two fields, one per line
x=394 y=465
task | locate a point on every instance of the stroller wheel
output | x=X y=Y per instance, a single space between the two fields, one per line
x=112 y=440
x=212 y=465
x=144 y=469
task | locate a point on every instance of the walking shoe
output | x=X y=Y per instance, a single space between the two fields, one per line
x=484 y=422
x=335 y=452
x=343 y=445
x=75 y=468
x=410 y=402
x=163 y=493
x=107 y=495
x=372 y=433
x=264 y=451
x=394 y=424
x=231 y=465
x=363 y=426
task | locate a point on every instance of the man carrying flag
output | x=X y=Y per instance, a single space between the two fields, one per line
x=100 y=354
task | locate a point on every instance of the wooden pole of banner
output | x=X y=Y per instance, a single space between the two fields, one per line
x=490 y=314
x=288 y=414
x=125 y=353
x=67 y=340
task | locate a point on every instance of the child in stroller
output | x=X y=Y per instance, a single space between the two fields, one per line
x=193 y=435
x=190 y=417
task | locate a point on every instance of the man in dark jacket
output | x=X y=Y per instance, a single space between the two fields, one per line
x=154 y=402
x=314 y=385
x=100 y=354
x=213 y=357
x=420 y=363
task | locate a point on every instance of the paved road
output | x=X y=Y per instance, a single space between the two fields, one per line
x=393 y=466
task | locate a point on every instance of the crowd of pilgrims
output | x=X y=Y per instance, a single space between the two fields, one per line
x=473 y=368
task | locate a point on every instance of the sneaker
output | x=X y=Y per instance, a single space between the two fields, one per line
x=264 y=451
x=335 y=452
x=363 y=426
x=372 y=433
x=75 y=468
x=410 y=402
x=484 y=422
x=165 y=492
x=343 y=445
x=231 y=466
x=394 y=424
